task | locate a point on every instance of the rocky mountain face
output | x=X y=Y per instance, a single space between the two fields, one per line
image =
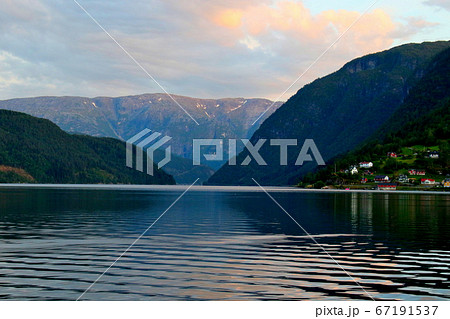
x=123 y=117
x=338 y=112
x=421 y=125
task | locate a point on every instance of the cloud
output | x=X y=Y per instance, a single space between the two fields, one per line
x=413 y=26
x=293 y=21
x=250 y=42
x=218 y=48
x=445 y=4
x=229 y=18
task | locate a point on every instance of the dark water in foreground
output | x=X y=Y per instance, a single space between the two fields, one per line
x=222 y=245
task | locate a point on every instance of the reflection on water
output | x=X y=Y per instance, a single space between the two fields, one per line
x=223 y=245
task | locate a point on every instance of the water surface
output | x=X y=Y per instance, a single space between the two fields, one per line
x=222 y=244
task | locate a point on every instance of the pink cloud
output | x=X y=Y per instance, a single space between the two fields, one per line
x=292 y=19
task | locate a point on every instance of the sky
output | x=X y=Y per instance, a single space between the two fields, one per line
x=205 y=49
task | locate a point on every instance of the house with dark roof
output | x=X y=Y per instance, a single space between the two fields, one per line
x=433 y=154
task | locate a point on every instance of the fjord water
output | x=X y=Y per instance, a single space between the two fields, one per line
x=218 y=244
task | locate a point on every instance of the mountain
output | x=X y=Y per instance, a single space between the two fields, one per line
x=413 y=143
x=428 y=95
x=421 y=123
x=35 y=150
x=123 y=117
x=338 y=112
x=182 y=169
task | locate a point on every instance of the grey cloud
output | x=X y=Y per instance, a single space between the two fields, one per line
x=445 y=4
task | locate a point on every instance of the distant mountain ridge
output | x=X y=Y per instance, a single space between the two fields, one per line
x=338 y=111
x=123 y=117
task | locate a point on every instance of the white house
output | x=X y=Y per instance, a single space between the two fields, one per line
x=353 y=170
x=433 y=154
x=366 y=165
x=403 y=179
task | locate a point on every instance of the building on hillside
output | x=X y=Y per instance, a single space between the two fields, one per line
x=353 y=170
x=403 y=179
x=381 y=179
x=364 y=180
x=427 y=181
x=387 y=187
x=420 y=172
x=433 y=154
x=392 y=154
x=366 y=165
x=446 y=182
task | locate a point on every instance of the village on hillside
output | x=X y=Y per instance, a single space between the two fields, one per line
x=395 y=171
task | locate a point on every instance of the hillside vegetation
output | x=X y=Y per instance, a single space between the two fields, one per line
x=35 y=150
x=417 y=129
x=339 y=112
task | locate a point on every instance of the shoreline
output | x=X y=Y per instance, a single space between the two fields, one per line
x=209 y=188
